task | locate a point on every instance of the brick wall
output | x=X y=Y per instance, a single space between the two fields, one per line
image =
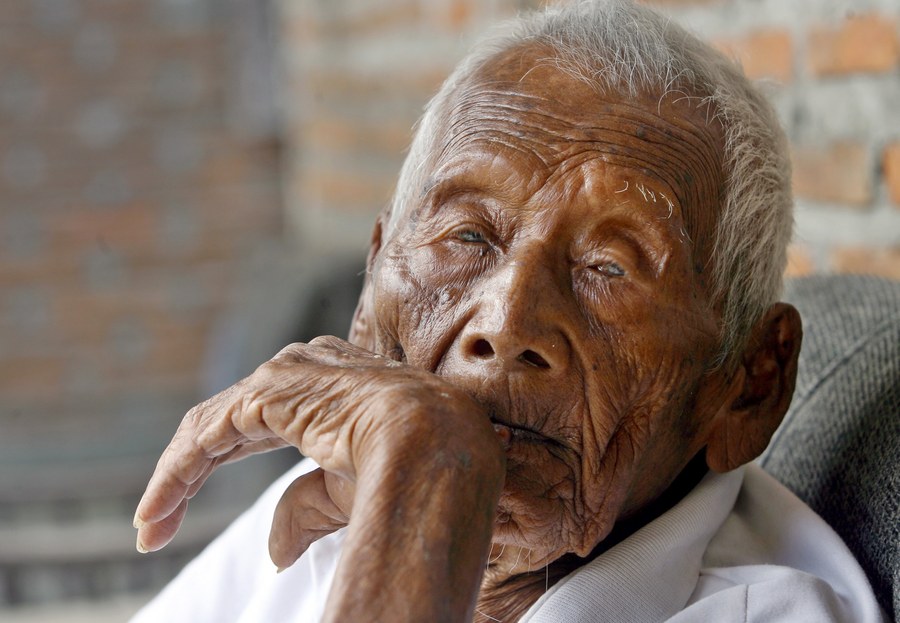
x=129 y=204
x=358 y=73
x=833 y=71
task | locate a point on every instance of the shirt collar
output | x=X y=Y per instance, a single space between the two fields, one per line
x=650 y=575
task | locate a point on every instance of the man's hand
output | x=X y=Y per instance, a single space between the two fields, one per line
x=414 y=458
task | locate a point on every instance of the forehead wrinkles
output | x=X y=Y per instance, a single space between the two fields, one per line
x=554 y=135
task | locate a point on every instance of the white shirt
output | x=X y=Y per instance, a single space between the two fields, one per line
x=739 y=547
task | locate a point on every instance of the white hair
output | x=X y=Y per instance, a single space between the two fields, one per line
x=618 y=46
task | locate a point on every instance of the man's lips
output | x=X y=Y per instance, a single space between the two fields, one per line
x=504 y=433
x=508 y=433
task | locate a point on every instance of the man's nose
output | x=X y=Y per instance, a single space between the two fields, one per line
x=518 y=323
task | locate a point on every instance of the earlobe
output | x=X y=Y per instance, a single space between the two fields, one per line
x=361 y=328
x=760 y=392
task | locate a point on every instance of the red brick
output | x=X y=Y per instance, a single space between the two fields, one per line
x=864 y=43
x=762 y=53
x=799 y=261
x=458 y=14
x=300 y=31
x=130 y=230
x=147 y=297
x=839 y=173
x=52 y=267
x=676 y=3
x=125 y=14
x=891 y=166
x=28 y=375
x=228 y=164
x=240 y=210
x=334 y=133
x=884 y=262
x=348 y=85
x=169 y=362
x=358 y=190
x=388 y=16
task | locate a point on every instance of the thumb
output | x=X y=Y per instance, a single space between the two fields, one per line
x=307 y=512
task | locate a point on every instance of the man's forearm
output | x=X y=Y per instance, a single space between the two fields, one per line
x=419 y=535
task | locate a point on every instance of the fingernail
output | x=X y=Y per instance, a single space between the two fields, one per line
x=140 y=547
x=137 y=522
x=280 y=569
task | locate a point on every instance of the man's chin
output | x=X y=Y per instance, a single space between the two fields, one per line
x=537 y=536
x=511 y=556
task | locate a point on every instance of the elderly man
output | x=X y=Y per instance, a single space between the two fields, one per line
x=569 y=318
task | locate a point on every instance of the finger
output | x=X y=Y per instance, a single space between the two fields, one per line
x=211 y=434
x=178 y=468
x=251 y=448
x=154 y=536
x=163 y=506
x=341 y=491
x=204 y=434
x=240 y=452
x=338 y=345
x=333 y=350
x=305 y=514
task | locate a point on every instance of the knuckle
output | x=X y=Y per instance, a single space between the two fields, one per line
x=194 y=417
x=250 y=409
x=327 y=341
x=290 y=353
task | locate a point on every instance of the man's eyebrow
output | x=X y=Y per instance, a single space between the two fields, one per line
x=645 y=237
x=428 y=188
x=451 y=186
x=438 y=193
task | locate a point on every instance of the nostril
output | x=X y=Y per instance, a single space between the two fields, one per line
x=482 y=348
x=534 y=359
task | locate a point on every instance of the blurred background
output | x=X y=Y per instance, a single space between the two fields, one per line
x=187 y=185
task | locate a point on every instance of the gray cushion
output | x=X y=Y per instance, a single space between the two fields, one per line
x=839 y=446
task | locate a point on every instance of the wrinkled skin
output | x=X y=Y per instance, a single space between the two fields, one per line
x=393 y=443
x=549 y=280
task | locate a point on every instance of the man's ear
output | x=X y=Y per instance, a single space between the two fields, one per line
x=362 y=331
x=760 y=391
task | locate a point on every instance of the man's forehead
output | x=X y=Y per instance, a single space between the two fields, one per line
x=542 y=73
x=521 y=102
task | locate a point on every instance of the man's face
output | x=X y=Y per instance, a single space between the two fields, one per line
x=553 y=265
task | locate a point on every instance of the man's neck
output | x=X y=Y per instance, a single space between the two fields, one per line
x=507 y=596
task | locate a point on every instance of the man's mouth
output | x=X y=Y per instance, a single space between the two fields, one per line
x=509 y=433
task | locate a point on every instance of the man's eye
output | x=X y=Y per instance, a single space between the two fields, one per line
x=468 y=235
x=609 y=269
